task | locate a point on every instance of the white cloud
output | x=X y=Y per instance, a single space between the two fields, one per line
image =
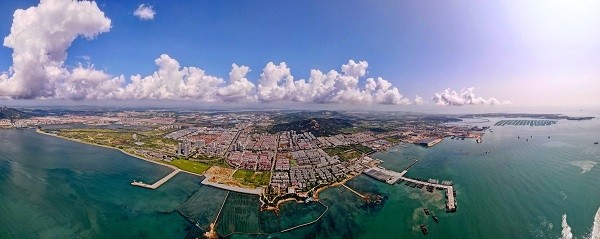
x=239 y=88
x=173 y=82
x=144 y=12
x=269 y=88
x=419 y=101
x=465 y=97
x=88 y=83
x=277 y=83
x=39 y=38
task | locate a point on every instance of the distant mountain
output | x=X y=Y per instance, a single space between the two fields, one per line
x=10 y=113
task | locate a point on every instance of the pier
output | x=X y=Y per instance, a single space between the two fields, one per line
x=158 y=183
x=355 y=192
x=392 y=177
x=450 y=200
x=384 y=175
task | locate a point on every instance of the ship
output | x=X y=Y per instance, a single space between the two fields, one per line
x=595 y=142
x=424 y=229
x=426 y=211
x=435 y=218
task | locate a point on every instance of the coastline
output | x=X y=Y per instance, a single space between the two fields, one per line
x=337 y=184
x=315 y=195
x=275 y=208
x=121 y=150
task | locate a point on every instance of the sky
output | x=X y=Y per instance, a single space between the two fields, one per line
x=393 y=54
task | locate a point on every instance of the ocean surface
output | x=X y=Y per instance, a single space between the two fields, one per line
x=520 y=182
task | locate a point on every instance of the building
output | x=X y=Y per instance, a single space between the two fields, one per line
x=429 y=141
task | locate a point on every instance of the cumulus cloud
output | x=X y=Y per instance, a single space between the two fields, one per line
x=171 y=81
x=277 y=83
x=39 y=38
x=144 y=12
x=419 y=101
x=464 y=97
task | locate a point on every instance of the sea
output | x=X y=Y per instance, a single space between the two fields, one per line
x=520 y=182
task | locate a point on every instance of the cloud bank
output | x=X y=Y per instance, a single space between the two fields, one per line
x=465 y=97
x=144 y=12
x=41 y=35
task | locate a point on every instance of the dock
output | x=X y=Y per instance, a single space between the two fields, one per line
x=384 y=175
x=158 y=183
x=450 y=200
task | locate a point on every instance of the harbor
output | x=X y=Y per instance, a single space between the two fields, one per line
x=384 y=175
x=392 y=177
x=450 y=197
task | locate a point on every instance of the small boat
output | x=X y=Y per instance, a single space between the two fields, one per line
x=426 y=211
x=435 y=218
x=548 y=136
x=595 y=142
x=424 y=229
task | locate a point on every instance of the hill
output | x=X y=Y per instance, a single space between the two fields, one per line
x=317 y=126
x=10 y=113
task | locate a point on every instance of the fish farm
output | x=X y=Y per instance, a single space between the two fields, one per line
x=525 y=122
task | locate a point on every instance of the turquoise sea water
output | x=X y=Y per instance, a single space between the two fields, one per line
x=506 y=188
x=53 y=188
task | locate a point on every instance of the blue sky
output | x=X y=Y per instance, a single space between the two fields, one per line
x=420 y=47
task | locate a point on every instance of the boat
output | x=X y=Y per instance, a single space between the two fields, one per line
x=426 y=211
x=548 y=136
x=424 y=229
x=595 y=142
x=435 y=218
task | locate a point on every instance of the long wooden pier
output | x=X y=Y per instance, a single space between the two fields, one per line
x=158 y=183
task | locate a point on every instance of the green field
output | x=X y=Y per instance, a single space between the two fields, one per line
x=151 y=140
x=191 y=166
x=252 y=178
x=392 y=140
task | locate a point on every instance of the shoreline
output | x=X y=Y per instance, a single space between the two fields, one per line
x=121 y=150
x=275 y=208
x=337 y=184
x=315 y=194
